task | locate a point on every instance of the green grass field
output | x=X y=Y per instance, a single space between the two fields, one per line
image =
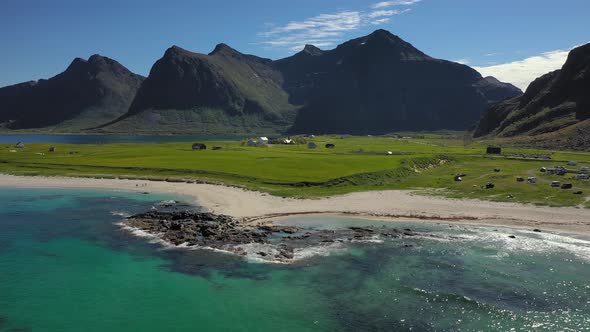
x=427 y=164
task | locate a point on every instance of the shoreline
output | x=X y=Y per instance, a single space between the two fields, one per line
x=387 y=205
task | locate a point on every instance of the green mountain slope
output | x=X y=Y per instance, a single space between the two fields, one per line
x=555 y=104
x=222 y=92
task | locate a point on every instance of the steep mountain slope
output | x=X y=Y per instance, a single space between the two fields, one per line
x=551 y=103
x=370 y=85
x=222 y=92
x=88 y=93
x=380 y=83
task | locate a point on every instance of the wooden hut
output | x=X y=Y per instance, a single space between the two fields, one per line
x=494 y=150
x=199 y=146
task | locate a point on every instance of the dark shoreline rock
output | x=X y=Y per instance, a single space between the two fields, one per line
x=278 y=243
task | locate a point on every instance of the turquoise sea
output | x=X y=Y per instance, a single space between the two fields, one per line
x=65 y=265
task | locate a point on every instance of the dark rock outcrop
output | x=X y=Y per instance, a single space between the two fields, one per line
x=267 y=242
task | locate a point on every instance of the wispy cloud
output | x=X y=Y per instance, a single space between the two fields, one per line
x=327 y=30
x=522 y=72
x=385 y=4
x=464 y=61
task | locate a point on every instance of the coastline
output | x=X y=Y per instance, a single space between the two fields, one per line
x=394 y=205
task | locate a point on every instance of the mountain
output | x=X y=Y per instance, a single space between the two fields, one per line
x=88 y=93
x=556 y=106
x=221 y=92
x=374 y=84
x=380 y=83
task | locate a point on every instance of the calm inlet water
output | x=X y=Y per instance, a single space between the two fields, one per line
x=66 y=266
x=107 y=139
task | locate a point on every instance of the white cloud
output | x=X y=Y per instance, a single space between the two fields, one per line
x=380 y=21
x=326 y=30
x=385 y=4
x=386 y=13
x=522 y=72
x=464 y=61
x=322 y=30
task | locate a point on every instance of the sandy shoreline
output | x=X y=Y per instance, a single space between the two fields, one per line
x=404 y=205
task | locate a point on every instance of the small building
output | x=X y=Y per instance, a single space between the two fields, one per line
x=311 y=145
x=263 y=139
x=494 y=150
x=330 y=146
x=52 y=149
x=199 y=146
x=20 y=145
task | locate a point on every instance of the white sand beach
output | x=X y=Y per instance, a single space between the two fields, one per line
x=251 y=206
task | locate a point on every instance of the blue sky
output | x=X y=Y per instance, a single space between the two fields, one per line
x=515 y=40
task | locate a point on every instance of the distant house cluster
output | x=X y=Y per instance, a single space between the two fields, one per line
x=581 y=173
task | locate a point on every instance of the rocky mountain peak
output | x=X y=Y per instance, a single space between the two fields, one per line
x=312 y=50
x=224 y=49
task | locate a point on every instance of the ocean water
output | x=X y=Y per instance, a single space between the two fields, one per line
x=65 y=265
x=108 y=139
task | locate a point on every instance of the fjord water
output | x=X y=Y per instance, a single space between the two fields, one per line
x=110 y=139
x=65 y=265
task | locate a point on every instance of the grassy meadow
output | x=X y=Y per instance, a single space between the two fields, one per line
x=425 y=163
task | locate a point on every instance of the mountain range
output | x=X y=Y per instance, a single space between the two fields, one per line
x=370 y=85
x=554 y=110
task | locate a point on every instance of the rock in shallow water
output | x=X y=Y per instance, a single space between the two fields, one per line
x=278 y=243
